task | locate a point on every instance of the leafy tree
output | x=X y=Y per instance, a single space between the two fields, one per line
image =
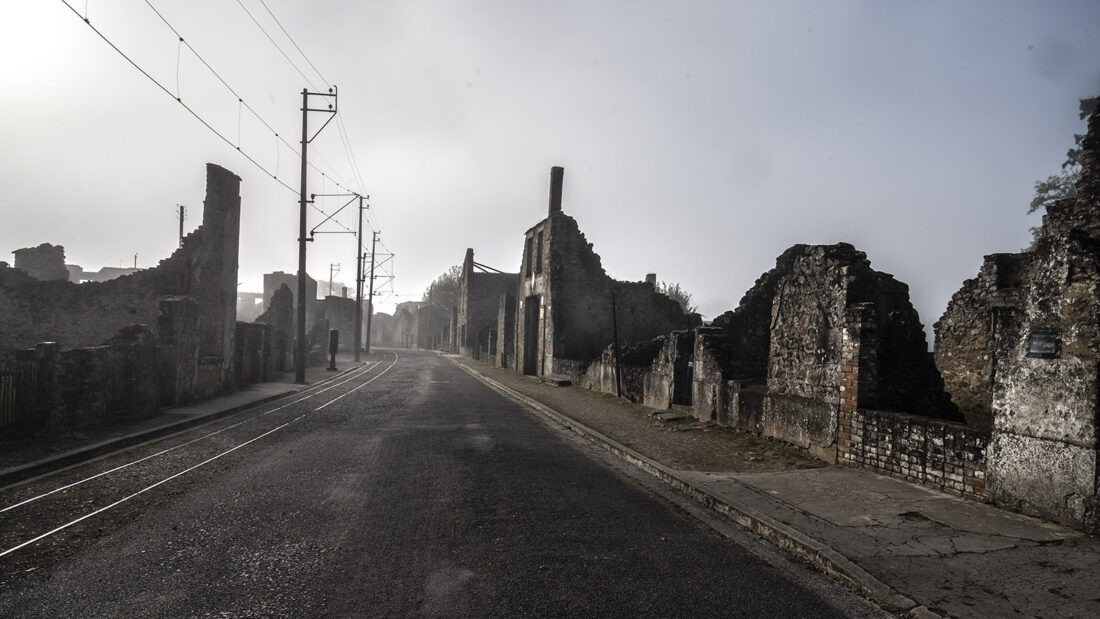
x=1063 y=185
x=444 y=290
x=678 y=294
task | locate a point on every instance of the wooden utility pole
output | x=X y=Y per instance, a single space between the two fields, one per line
x=370 y=295
x=359 y=283
x=300 y=326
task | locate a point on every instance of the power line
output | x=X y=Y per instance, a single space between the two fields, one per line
x=291 y=39
x=198 y=117
x=178 y=99
x=348 y=151
x=250 y=16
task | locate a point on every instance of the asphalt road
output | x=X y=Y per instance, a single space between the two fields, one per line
x=418 y=492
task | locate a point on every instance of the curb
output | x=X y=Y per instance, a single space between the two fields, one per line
x=79 y=455
x=821 y=556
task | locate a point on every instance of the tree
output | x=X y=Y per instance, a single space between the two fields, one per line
x=678 y=294
x=444 y=290
x=1062 y=186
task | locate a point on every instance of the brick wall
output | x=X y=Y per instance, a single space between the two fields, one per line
x=949 y=456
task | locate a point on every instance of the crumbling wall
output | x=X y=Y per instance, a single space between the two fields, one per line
x=797 y=310
x=280 y=315
x=964 y=335
x=476 y=316
x=571 y=321
x=273 y=281
x=79 y=315
x=340 y=312
x=506 y=331
x=381 y=329
x=44 y=263
x=1043 y=455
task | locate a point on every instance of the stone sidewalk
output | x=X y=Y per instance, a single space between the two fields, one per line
x=912 y=549
x=23 y=457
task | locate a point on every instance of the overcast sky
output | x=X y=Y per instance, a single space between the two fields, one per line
x=699 y=139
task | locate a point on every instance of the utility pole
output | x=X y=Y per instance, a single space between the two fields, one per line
x=359 y=283
x=333 y=268
x=300 y=331
x=183 y=215
x=370 y=295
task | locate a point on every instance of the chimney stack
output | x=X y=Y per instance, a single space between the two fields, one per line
x=556 y=174
x=651 y=279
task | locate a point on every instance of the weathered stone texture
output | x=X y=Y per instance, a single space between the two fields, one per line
x=774 y=365
x=1043 y=456
x=280 y=315
x=964 y=335
x=506 y=331
x=478 y=308
x=44 y=263
x=573 y=322
x=76 y=315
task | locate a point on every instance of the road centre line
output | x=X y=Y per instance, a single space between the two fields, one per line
x=356 y=373
x=191 y=468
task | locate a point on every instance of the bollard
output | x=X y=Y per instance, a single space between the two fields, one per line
x=333 y=344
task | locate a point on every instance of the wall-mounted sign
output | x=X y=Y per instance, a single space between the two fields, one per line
x=1044 y=343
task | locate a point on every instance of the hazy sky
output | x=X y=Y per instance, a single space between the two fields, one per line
x=699 y=139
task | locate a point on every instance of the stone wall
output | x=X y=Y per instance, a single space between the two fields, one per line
x=572 y=322
x=340 y=312
x=1043 y=456
x=273 y=281
x=797 y=312
x=506 y=331
x=477 y=314
x=964 y=336
x=917 y=448
x=44 y=263
x=204 y=268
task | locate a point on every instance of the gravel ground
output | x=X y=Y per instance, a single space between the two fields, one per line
x=686 y=444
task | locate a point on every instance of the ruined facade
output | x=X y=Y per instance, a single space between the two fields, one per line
x=44 y=263
x=186 y=306
x=564 y=313
x=272 y=282
x=475 y=324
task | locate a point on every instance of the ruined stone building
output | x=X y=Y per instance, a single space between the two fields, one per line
x=272 y=282
x=186 y=306
x=403 y=331
x=77 y=274
x=1019 y=348
x=476 y=316
x=44 y=263
x=564 y=304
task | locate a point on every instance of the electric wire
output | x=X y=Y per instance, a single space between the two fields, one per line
x=232 y=91
x=348 y=151
x=178 y=99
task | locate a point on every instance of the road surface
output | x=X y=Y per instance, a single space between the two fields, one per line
x=405 y=488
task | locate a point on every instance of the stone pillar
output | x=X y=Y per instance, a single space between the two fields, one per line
x=858 y=383
x=1042 y=457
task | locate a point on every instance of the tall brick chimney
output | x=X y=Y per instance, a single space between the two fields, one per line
x=556 y=174
x=651 y=279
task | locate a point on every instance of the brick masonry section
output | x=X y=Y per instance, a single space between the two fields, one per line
x=949 y=456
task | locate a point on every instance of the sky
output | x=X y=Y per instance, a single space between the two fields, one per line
x=699 y=139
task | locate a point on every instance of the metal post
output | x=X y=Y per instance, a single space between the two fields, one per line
x=300 y=335
x=370 y=295
x=359 y=283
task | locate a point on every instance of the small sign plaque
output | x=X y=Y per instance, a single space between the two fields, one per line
x=1044 y=343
